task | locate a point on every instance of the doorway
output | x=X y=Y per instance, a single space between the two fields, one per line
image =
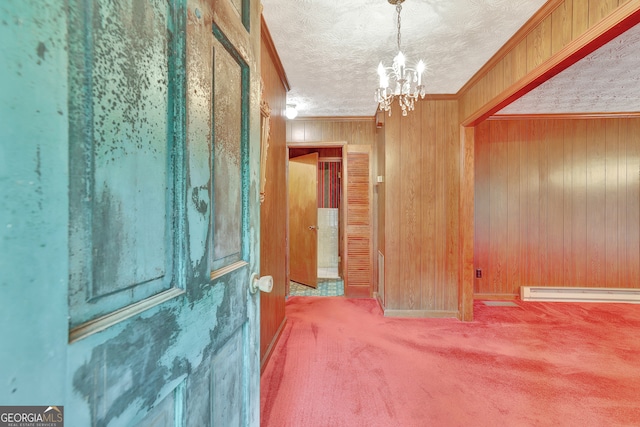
x=315 y=229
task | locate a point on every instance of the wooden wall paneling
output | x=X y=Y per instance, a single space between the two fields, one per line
x=328 y=132
x=520 y=62
x=512 y=270
x=579 y=189
x=374 y=218
x=580 y=21
x=341 y=133
x=467 y=223
x=623 y=226
x=359 y=132
x=427 y=224
x=352 y=129
x=393 y=291
x=508 y=70
x=348 y=129
x=422 y=220
x=440 y=206
x=451 y=134
x=495 y=79
x=525 y=202
x=577 y=214
x=410 y=209
x=613 y=170
x=477 y=102
x=297 y=131
x=312 y=131
x=596 y=146
x=498 y=212
x=561 y=26
x=381 y=188
x=482 y=201
x=632 y=243
x=543 y=201
x=534 y=244
x=539 y=44
x=599 y=9
x=555 y=207
x=569 y=273
x=368 y=131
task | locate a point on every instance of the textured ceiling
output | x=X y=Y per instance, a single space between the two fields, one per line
x=330 y=49
x=605 y=81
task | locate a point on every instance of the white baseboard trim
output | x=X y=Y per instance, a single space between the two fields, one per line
x=570 y=294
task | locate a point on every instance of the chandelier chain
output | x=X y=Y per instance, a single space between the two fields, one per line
x=398 y=9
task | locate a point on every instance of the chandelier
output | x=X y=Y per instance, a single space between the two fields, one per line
x=399 y=81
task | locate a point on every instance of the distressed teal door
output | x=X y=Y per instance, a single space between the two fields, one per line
x=130 y=219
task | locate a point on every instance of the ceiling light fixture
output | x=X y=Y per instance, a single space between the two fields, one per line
x=292 y=111
x=399 y=81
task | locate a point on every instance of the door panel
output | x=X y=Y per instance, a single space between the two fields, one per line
x=128 y=294
x=228 y=110
x=303 y=219
x=122 y=204
x=359 y=272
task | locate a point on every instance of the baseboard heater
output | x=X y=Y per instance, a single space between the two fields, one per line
x=567 y=294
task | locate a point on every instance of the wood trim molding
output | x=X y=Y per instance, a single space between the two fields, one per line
x=227 y=269
x=272 y=345
x=566 y=116
x=101 y=323
x=619 y=21
x=546 y=10
x=271 y=48
x=334 y=119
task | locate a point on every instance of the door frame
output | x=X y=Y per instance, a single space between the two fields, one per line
x=342 y=213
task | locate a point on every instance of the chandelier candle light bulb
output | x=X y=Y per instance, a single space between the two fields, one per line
x=408 y=81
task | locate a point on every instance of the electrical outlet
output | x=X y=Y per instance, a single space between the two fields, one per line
x=478 y=273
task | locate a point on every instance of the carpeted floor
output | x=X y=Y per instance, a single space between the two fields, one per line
x=339 y=362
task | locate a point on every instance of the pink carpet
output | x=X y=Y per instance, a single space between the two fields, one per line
x=339 y=362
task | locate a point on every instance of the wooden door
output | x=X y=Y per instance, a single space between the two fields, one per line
x=303 y=219
x=126 y=277
x=357 y=192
